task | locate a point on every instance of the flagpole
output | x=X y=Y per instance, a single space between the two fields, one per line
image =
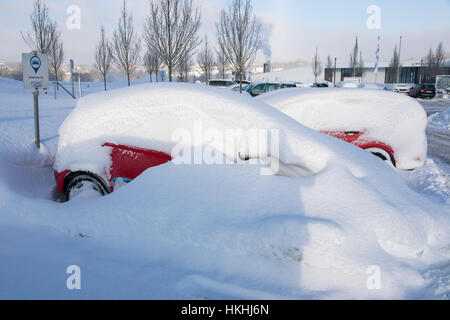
x=377 y=57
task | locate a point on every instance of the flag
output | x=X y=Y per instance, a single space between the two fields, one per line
x=377 y=56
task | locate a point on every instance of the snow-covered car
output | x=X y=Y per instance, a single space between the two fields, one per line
x=256 y=89
x=389 y=125
x=399 y=87
x=110 y=139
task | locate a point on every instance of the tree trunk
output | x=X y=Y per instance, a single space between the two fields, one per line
x=128 y=78
x=56 y=79
x=104 y=80
x=240 y=82
x=170 y=72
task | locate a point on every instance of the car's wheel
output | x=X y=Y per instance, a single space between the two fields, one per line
x=84 y=183
x=383 y=155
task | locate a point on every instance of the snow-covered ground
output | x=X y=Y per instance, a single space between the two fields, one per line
x=438 y=129
x=268 y=238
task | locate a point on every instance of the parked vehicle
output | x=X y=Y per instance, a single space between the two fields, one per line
x=111 y=138
x=319 y=85
x=257 y=89
x=399 y=87
x=221 y=83
x=389 y=125
x=424 y=90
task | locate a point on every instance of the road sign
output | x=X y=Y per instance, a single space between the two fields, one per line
x=35 y=72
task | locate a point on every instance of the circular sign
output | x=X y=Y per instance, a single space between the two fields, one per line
x=35 y=62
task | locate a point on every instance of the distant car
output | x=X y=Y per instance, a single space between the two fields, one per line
x=389 y=125
x=399 y=87
x=257 y=89
x=221 y=83
x=319 y=85
x=423 y=91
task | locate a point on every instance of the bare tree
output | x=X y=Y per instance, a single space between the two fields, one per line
x=152 y=63
x=41 y=37
x=222 y=62
x=126 y=44
x=239 y=36
x=56 y=54
x=360 y=69
x=171 y=30
x=317 y=66
x=205 y=59
x=434 y=62
x=329 y=69
x=183 y=67
x=103 y=56
x=354 y=58
x=394 y=64
x=439 y=55
x=330 y=63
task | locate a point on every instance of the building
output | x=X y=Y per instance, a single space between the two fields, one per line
x=3 y=66
x=410 y=72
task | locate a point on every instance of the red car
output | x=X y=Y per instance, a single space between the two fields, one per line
x=127 y=163
x=390 y=126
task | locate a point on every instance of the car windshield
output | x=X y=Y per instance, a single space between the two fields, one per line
x=428 y=87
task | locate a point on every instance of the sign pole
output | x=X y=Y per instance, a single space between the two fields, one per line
x=36 y=118
x=35 y=78
x=80 y=92
x=71 y=76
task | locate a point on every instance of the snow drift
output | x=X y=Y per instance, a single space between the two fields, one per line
x=391 y=118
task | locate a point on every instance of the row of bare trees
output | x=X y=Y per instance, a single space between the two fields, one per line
x=433 y=62
x=170 y=37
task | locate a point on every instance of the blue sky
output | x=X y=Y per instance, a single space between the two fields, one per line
x=298 y=27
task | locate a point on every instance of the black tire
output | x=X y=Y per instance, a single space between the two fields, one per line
x=81 y=180
x=383 y=155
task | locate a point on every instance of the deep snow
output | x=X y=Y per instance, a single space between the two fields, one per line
x=214 y=232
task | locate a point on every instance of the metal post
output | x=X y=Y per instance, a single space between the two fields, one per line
x=80 y=93
x=399 y=58
x=71 y=76
x=421 y=71
x=36 y=118
x=55 y=89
